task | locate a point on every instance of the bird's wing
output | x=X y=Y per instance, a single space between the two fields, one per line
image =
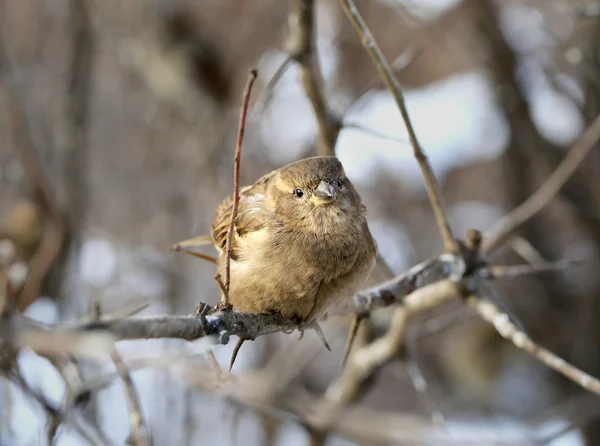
x=250 y=217
x=188 y=246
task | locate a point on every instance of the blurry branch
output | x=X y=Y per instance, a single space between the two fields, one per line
x=137 y=434
x=372 y=132
x=358 y=424
x=499 y=272
x=366 y=361
x=53 y=232
x=508 y=224
x=384 y=69
x=21 y=132
x=525 y=250
x=77 y=114
x=55 y=416
x=300 y=46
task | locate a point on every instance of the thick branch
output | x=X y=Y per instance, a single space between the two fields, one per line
x=226 y=323
x=300 y=46
x=223 y=325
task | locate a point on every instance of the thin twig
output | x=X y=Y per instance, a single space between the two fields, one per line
x=508 y=224
x=372 y=132
x=267 y=92
x=433 y=188
x=504 y=271
x=236 y=183
x=492 y=314
x=137 y=434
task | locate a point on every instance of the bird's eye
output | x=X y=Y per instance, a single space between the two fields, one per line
x=298 y=192
x=340 y=182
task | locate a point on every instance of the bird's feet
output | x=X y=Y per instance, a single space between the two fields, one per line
x=314 y=325
x=222 y=306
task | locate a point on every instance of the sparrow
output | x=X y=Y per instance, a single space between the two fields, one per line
x=301 y=242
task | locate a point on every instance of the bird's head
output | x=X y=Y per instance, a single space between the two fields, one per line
x=315 y=194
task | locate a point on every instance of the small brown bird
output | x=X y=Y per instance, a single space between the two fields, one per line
x=301 y=242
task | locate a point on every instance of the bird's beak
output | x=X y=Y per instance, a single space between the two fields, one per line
x=323 y=194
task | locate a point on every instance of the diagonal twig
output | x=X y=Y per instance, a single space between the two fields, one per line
x=508 y=224
x=492 y=314
x=384 y=69
x=137 y=434
x=236 y=183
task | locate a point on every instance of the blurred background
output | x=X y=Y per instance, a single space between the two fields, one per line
x=117 y=131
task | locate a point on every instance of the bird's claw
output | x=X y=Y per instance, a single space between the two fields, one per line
x=314 y=325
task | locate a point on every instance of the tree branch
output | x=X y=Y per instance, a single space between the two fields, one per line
x=137 y=434
x=492 y=314
x=300 y=46
x=508 y=224
x=433 y=188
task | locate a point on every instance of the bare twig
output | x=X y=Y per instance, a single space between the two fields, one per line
x=236 y=183
x=490 y=313
x=508 y=224
x=300 y=46
x=526 y=250
x=137 y=434
x=267 y=92
x=372 y=132
x=433 y=188
x=501 y=271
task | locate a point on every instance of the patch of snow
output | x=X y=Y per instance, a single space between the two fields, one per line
x=456 y=121
x=97 y=261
